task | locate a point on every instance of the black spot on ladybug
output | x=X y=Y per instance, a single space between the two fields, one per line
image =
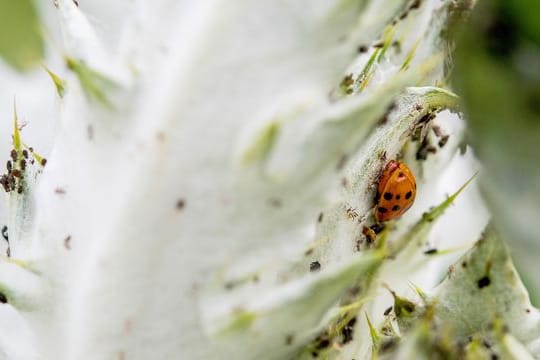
x=382 y=210
x=483 y=282
x=387 y=311
x=314 y=266
x=408 y=195
x=398 y=197
x=388 y=196
x=3 y=298
x=395 y=208
x=401 y=175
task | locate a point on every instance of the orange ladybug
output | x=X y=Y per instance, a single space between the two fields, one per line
x=396 y=191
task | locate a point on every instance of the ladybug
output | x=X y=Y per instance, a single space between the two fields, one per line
x=396 y=191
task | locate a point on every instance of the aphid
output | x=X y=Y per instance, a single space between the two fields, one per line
x=396 y=191
x=8 y=166
x=352 y=213
x=5 y=233
x=370 y=234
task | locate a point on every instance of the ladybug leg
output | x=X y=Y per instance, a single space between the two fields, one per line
x=377 y=196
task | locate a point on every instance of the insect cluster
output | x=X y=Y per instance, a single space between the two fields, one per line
x=16 y=167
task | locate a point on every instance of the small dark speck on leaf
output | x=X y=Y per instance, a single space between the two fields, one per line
x=67 y=242
x=362 y=49
x=160 y=136
x=180 y=204
x=3 y=298
x=59 y=191
x=289 y=339
x=430 y=252
x=275 y=202
x=320 y=218
x=324 y=343
x=5 y=233
x=90 y=132
x=342 y=161
x=483 y=282
x=348 y=331
x=387 y=311
x=315 y=266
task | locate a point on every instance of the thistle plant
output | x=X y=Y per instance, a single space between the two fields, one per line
x=204 y=181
